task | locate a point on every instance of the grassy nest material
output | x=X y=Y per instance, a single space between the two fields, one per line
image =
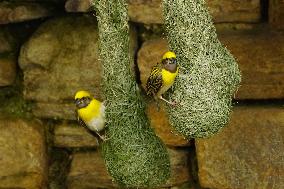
x=209 y=74
x=134 y=155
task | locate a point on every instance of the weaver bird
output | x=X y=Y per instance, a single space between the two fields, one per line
x=90 y=112
x=162 y=77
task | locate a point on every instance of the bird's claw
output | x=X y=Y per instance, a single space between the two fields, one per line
x=103 y=137
x=174 y=103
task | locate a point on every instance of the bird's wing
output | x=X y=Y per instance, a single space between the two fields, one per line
x=154 y=82
x=80 y=121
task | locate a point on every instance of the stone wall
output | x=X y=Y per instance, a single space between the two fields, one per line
x=49 y=50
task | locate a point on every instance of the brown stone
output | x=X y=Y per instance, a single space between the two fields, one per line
x=60 y=58
x=179 y=167
x=73 y=135
x=222 y=27
x=78 y=5
x=88 y=171
x=246 y=154
x=159 y=121
x=150 y=11
x=235 y=10
x=276 y=13
x=187 y=185
x=259 y=54
x=54 y=110
x=7 y=71
x=19 y=12
x=23 y=154
x=145 y=11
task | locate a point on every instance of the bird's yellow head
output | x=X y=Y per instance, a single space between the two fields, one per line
x=82 y=99
x=81 y=94
x=169 y=62
x=169 y=55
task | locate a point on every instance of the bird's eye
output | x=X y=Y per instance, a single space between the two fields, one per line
x=168 y=61
x=173 y=61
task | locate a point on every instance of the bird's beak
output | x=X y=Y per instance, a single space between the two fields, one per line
x=77 y=102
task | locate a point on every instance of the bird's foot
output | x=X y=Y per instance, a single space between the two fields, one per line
x=173 y=103
x=103 y=137
x=105 y=102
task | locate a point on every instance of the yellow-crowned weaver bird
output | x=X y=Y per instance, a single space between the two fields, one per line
x=162 y=77
x=90 y=112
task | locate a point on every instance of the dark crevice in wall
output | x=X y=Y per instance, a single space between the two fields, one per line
x=264 y=4
x=59 y=166
x=193 y=167
x=268 y=102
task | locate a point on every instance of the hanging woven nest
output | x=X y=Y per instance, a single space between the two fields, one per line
x=209 y=74
x=134 y=155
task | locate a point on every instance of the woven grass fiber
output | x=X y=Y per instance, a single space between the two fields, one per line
x=134 y=155
x=209 y=74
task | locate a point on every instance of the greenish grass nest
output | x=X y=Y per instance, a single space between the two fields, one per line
x=209 y=74
x=134 y=155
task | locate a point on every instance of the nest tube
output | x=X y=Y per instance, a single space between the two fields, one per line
x=134 y=155
x=209 y=74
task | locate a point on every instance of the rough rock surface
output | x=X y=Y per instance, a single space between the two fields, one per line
x=23 y=154
x=260 y=55
x=88 y=171
x=60 y=58
x=249 y=153
x=150 y=11
x=145 y=11
x=19 y=12
x=54 y=110
x=159 y=121
x=78 y=5
x=235 y=11
x=276 y=13
x=72 y=135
